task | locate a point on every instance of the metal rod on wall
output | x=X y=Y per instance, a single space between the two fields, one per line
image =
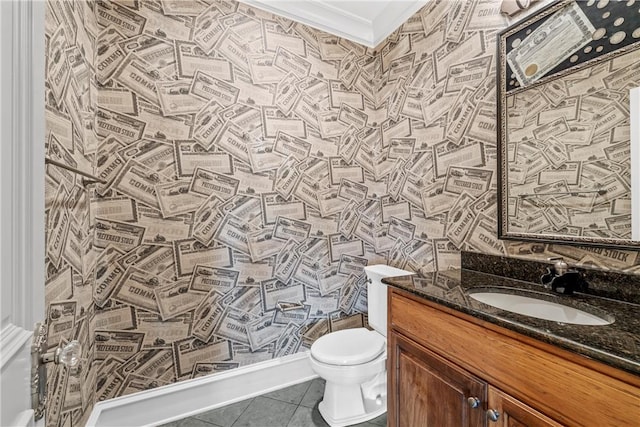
x=573 y=193
x=92 y=179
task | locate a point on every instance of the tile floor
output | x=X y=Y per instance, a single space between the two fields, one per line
x=295 y=406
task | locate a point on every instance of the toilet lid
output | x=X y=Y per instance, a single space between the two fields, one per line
x=348 y=347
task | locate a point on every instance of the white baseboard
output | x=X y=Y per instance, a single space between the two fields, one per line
x=12 y=341
x=15 y=371
x=25 y=419
x=186 y=398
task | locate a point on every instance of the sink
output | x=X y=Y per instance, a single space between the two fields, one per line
x=534 y=305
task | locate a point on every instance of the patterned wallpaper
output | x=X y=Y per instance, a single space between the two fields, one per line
x=246 y=188
x=252 y=167
x=70 y=261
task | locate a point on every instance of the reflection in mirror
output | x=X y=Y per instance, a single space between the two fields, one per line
x=568 y=154
x=565 y=151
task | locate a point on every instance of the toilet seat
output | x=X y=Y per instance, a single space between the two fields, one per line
x=348 y=347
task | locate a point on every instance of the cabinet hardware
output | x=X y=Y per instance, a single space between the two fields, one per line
x=474 y=402
x=493 y=415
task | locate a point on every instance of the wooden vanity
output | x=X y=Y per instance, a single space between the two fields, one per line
x=447 y=368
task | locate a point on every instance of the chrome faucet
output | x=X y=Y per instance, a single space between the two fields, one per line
x=561 y=279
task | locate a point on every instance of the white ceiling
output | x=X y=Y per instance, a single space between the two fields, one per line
x=367 y=22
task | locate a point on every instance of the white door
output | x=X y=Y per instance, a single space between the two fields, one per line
x=21 y=200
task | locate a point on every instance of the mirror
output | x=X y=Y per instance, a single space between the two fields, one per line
x=564 y=154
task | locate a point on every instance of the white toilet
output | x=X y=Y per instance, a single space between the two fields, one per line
x=353 y=361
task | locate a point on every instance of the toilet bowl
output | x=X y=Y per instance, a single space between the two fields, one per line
x=353 y=361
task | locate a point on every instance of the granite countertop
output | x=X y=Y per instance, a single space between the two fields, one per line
x=616 y=344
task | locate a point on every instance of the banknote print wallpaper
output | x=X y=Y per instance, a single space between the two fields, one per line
x=70 y=261
x=251 y=168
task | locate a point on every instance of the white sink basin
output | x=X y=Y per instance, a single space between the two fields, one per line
x=538 y=308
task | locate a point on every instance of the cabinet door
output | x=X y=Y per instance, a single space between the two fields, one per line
x=513 y=413
x=427 y=390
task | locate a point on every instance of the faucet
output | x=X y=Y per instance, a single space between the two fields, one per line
x=561 y=279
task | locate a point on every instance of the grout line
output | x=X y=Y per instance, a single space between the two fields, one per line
x=305 y=392
x=242 y=413
x=290 y=418
x=282 y=389
x=198 y=419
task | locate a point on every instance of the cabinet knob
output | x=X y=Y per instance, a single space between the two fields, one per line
x=474 y=402
x=493 y=415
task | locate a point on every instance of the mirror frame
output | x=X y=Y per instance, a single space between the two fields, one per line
x=502 y=151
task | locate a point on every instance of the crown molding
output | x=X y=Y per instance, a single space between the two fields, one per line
x=330 y=17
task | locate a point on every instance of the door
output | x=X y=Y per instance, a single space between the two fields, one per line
x=506 y=411
x=427 y=390
x=22 y=125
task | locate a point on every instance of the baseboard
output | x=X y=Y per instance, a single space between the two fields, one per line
x=12 y=340
x=15 y=371
x=25 y=419
x=186 y=398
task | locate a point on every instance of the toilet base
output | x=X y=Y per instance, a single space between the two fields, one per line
x=346 y=406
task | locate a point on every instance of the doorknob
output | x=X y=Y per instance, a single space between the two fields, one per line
x=67 y=355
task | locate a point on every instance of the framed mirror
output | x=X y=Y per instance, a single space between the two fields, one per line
x=564 y=124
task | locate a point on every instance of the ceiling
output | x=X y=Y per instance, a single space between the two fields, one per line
x=367 y=22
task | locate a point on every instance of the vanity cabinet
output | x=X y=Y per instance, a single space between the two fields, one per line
x=513 y=413
x=432 y=391
x=447 y=368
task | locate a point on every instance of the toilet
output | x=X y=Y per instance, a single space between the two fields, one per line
x=353 y=361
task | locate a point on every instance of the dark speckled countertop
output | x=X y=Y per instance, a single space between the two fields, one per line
x=616 y=344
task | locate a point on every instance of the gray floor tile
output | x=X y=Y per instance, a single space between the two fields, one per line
x=295 y=406
x=193 y=422
x=225 y=416
x=291 y=394
x=266 y=412
x=314 y=393
x=380 y=421
x=307 y=417
x=372 y=423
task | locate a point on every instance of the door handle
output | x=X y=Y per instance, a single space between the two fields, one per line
x=68 y=355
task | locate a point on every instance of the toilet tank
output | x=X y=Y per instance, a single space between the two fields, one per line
x=377 y=294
